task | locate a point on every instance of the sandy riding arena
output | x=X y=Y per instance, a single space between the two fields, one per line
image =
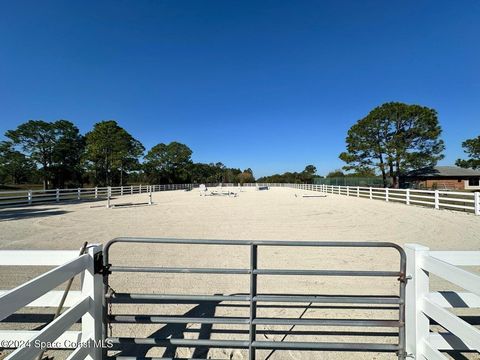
x=274 y=214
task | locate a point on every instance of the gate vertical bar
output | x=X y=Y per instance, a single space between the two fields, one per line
x=253 y=304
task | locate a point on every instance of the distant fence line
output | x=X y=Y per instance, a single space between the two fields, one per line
x=351 y=181
x=437 y=199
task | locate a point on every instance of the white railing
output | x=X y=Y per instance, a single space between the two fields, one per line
x=38 y=292
x=423 y=305
x=437 y=199
x=29 y=197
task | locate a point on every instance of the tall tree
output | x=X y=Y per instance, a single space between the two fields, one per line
x=15 y=167
x=67 y=155
x=394 y=138
x=111 y=152
x=52 y=145
x=168 y=163
x=246 y=176
x=472 y=148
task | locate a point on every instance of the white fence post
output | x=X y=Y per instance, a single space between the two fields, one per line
x=476 y=199
x=417 y=324
x=109 y=193
x=96 y=192
x=437 y=200
x=386 y=194
x=371 y=197
x=78 y=193
x=358 y=191
x=408 y=197
x=57 y=195
x=29 y=197
x=348 y=190
x=131 y=189
x=140 y=188
x=92 y=286
x=121 y=190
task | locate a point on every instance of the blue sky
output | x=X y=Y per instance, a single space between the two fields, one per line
x=271 y=85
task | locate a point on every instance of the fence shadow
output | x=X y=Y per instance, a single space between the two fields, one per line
x=18 y=214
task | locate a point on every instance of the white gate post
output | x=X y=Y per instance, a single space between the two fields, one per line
x=92 y=286
x=408 y=197
x=476 y=199
x=57 y=195
x=417 y=324
x=386 y=194
x=437 y=200
x=30 y=197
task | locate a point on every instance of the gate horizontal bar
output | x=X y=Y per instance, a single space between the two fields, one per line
x=173 y=270
x=147 y=319
x=273 y=345
x=327 y=322
x=326 y=272
x=357 y=244
x=231 y=344
x=152 y=358
x=127 y=298
x=365 y=347
x=327 y=299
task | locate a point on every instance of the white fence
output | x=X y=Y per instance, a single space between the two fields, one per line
x=29 y=197
x=38 y=292
x=422 y=305
x=437 y=199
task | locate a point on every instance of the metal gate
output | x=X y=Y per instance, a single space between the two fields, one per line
x=254 y=301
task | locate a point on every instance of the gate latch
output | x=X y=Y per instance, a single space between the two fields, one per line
x=404 y=278
x=98 y=267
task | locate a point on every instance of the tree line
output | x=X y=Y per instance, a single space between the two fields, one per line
x=396 y=138
x=58 y=155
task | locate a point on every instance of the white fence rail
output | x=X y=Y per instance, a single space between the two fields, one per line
x=437 y=199
x=424 y=306
x=29 y=197
x=85 y=304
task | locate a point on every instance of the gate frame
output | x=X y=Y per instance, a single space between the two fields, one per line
x=253 y=298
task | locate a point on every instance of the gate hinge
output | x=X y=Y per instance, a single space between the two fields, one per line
x=98 y=267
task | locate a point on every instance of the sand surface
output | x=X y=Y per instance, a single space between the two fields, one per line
x=276 y=214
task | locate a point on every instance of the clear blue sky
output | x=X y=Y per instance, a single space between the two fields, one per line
x=271 y=85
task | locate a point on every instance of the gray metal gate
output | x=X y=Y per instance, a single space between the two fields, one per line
x=254 y=299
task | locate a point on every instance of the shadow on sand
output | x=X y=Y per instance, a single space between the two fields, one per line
x=25 y=213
